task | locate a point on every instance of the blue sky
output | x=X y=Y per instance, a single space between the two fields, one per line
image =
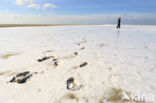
x=106 y=6
x=78 y=11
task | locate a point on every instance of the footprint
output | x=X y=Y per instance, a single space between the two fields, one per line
x=103 y=44
x=73 y=84
x=70 y=98
x=82 y=42
x=55 y=61
x=6 y=56
x=82 y=48
x=71 y=56
x=83 y=64
x=45 y=58
x=117 y=95
x=76 y=53
x=48 y=51
x=6 y=72
x=22 y=77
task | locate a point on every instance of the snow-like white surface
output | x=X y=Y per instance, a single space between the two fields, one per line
x=124 y=59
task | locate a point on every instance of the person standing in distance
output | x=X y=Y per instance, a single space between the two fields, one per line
x=119 y=22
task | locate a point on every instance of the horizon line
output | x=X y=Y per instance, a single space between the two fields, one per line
x=33 y=25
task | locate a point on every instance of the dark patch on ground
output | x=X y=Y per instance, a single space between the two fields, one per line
x=45 y=58
x=82 y=48
x=83 y=64
x=21 y=77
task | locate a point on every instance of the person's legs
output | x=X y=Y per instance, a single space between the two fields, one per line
x=117 y=26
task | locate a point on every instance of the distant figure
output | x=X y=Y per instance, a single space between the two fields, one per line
x=119 y=21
